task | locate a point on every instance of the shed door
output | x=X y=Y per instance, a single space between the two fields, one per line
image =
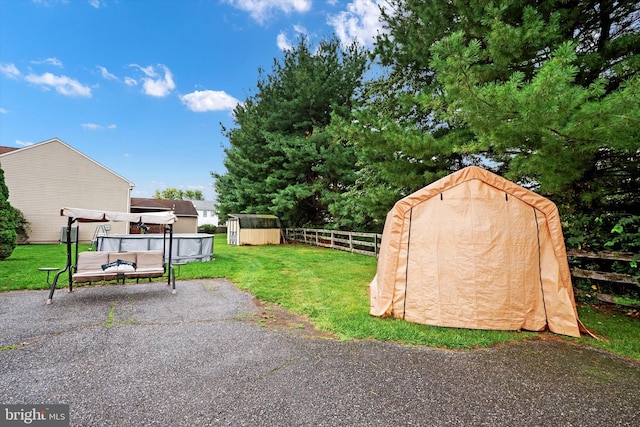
x=233 y=227
x=473 y=261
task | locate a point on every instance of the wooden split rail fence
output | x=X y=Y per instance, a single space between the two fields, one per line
x=361 y=243
x=602 y=261
x=603 y=275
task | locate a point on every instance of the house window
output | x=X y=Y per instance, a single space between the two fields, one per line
x=204 y=214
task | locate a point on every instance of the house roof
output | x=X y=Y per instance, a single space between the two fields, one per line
x=204 y=205
x=179 y=207
x=8 y=151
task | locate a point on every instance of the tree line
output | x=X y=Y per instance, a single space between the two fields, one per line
x=544 y=93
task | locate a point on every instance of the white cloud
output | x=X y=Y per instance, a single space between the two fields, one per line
x=3 y=111
x=10 y=71
x=49 y=61
x=155 y=84
x=93 y=126
x=209 y=100
x=300 y=29
x=105 y=73
x=63 y=84
x=23 y=143
x=361 y=22
x=283 y=42
x=53 y=61
x=95 y=3
x=260 y=10
x=129 y=81
x=149 y=71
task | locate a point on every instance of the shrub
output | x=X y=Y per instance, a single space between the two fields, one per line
x=8 y=236
x=207 y=228
x=22 y=226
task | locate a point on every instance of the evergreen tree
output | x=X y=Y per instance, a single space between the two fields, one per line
x=8 y=236
x=282 y=158
x=543 y=92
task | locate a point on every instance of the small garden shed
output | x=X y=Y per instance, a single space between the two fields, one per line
x=250 y=229
x=474 y=250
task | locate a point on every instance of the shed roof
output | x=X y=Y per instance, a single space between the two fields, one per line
x=257 y=221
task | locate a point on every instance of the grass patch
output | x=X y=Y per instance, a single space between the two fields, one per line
x=330 y=288
x=9 y=347
x=110 y=314
x=617 y=331
x=20 y=270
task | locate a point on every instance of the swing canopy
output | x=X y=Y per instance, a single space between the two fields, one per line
x=89 y=215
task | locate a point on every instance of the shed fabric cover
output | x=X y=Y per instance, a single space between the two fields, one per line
x=474 y=250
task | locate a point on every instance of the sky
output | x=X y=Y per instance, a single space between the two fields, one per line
x=143 y=87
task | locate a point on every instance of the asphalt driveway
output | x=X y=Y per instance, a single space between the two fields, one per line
x=126 y=355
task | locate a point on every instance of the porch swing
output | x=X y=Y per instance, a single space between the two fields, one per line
x=93 y=266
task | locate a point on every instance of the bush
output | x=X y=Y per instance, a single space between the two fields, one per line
x=8 y=236
x=22 y=226
x=212 y=229
x=207 y=228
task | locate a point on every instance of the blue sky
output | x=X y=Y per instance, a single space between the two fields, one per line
x=141 y=86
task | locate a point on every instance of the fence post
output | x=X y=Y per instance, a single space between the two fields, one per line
x=308 y=235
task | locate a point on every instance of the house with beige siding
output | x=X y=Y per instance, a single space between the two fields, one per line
x=43 y=178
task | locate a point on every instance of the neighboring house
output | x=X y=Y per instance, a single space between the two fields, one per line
x=206 y=212
x=184 y=210
x=43 y=178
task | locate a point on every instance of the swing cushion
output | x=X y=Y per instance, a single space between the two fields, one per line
x=98 y=266
x=89 y=267
x=149 y=264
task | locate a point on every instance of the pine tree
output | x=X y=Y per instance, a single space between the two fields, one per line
x=8 y=236
x=543 y=92
x=281 y=158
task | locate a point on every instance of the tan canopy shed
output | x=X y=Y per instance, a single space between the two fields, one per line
x=474 y=250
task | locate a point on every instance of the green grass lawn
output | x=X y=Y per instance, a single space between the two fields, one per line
x=330 y=288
